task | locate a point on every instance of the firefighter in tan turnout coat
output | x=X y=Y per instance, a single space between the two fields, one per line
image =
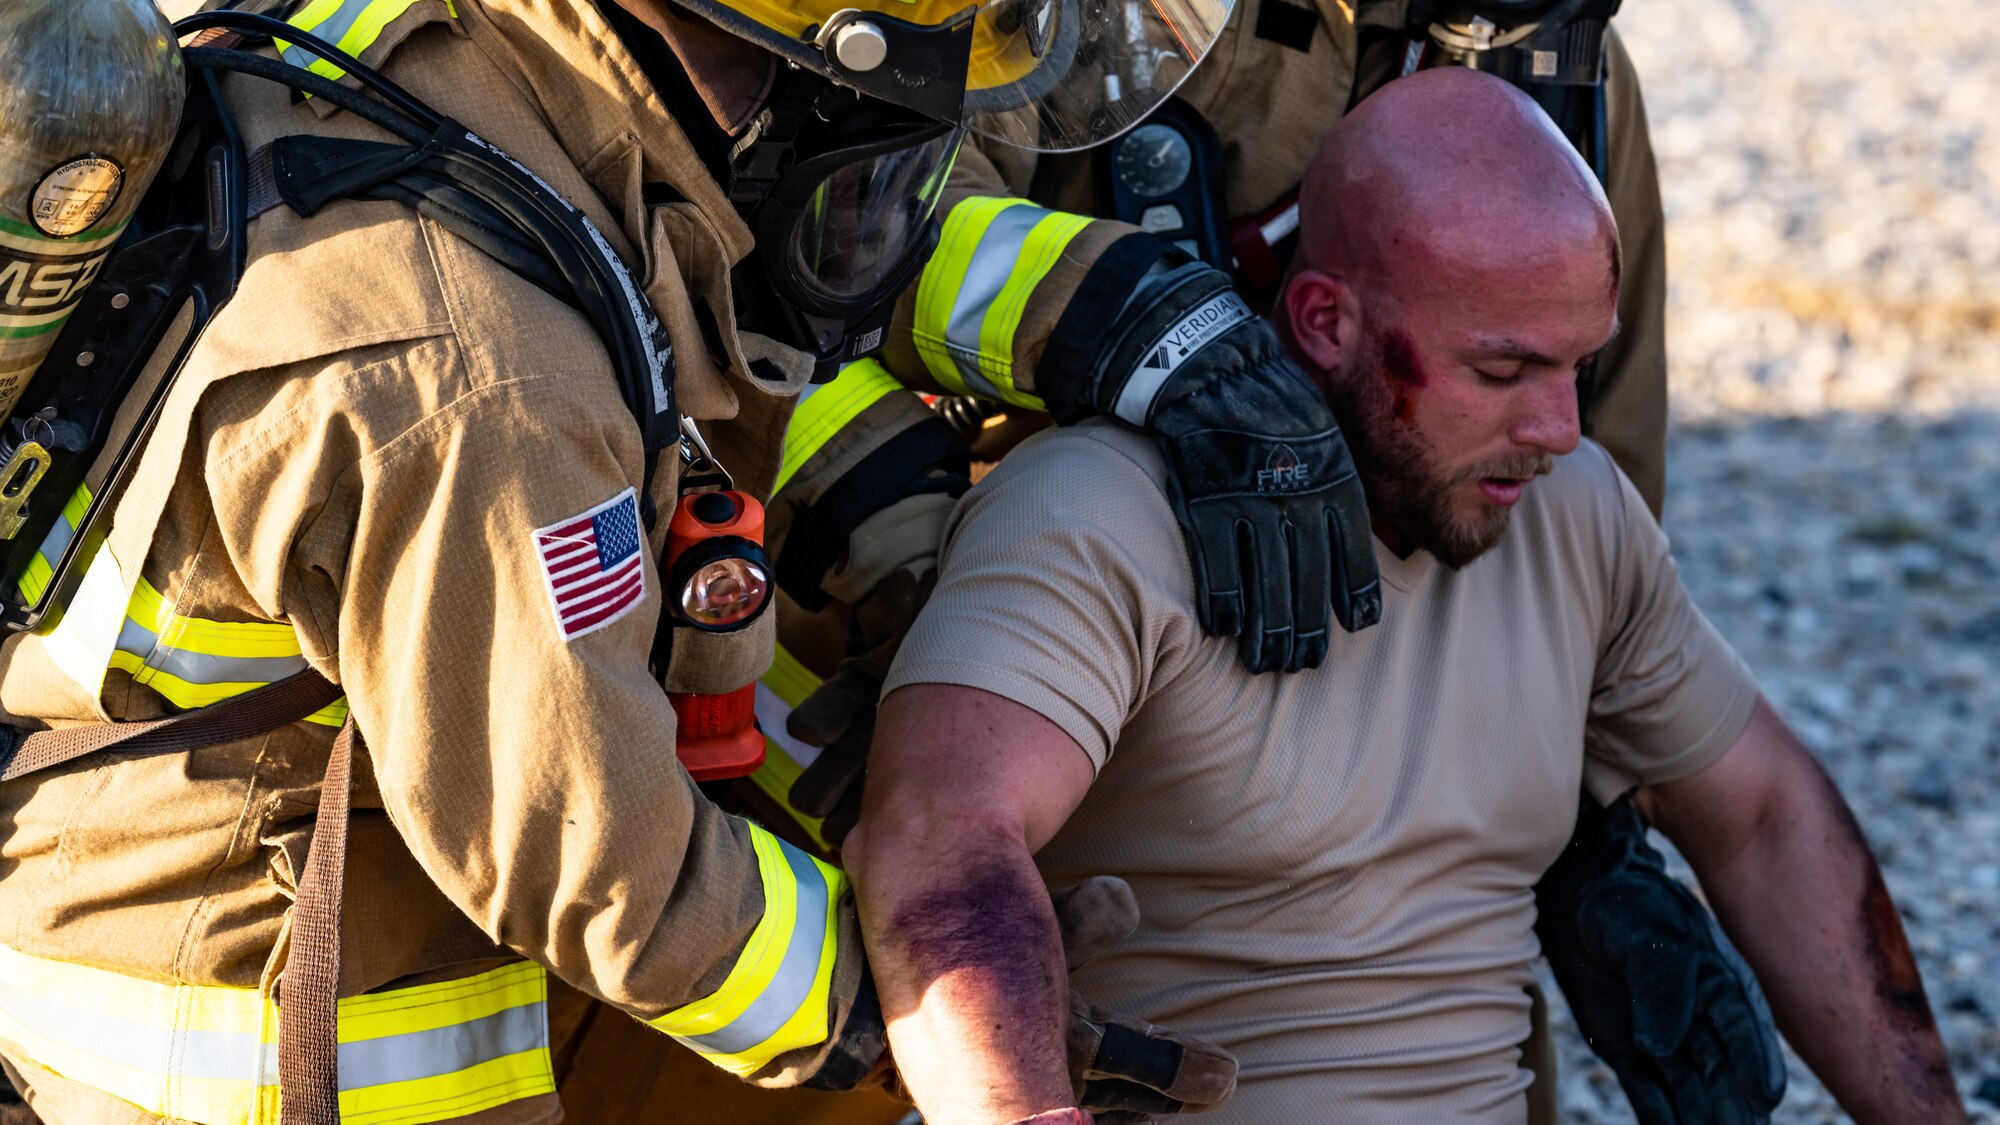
x=390 y=460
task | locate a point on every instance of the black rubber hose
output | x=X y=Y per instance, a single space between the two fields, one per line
x=285 y=74
x=253 y=23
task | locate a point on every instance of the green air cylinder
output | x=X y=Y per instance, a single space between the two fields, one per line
x=90 y=97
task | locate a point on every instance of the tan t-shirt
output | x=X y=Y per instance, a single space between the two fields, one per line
x=1335 y=868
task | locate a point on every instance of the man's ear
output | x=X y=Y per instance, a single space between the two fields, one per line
x=1323 y=314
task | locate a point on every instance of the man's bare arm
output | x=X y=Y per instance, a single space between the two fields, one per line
x=1792 y=880
x=963 y=787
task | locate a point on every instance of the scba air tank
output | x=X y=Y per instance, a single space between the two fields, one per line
x=90 y=96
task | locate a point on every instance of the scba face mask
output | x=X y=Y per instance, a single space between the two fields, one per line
x=841 y=172
x=842 y=192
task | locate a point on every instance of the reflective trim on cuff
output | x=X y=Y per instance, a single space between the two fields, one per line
x=991 y=255
x=775 y=999
x=826 y=410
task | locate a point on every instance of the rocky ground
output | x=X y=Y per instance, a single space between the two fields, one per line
x=1854 y=560
x=1832 y=185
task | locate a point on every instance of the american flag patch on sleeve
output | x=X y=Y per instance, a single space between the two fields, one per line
x=592 y=564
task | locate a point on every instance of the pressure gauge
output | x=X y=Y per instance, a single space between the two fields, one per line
x=1153 y=160
x=1165 y=177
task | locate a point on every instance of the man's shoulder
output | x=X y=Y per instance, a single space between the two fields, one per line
x=1091 y=466
x=1091 y=482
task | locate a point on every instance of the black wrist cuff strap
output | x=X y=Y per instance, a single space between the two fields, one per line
x=898 y=469
x=1069 y=372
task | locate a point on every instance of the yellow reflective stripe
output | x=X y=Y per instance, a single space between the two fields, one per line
x=207 y=1054
x=1039 y=254
x=780 y=689
x=775 y=778
x=828 y=410
x=228 y=641
x=310 y=18
x=184 y=694
x=775 y=998
x=77 y=505
x=351 y=25
x=435 y=1007
x=792 y=680
x=35 y=579
x=426 y=1007
x=164 y=644
x=75 y=1021
x=441 y=1097
x=943 y=277
x=41 y=568
x=242 y=639
x=179 y=691
x=809 y=1022
x=761 y=956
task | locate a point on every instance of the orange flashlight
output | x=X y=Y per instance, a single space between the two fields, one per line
x=718 y=580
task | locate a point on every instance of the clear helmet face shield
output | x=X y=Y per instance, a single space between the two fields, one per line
x=1045 y=75
x=1061 y=75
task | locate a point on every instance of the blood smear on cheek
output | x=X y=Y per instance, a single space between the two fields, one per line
x=1403 y=373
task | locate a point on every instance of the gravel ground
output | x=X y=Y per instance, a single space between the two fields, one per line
x=1851 y=559
x=1832 y=188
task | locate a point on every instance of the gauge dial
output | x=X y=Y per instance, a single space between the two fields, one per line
x=1152 y=160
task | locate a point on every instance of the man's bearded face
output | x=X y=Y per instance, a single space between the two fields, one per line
x=1414 y=489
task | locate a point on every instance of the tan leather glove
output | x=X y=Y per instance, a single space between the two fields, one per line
x=1127 y=1070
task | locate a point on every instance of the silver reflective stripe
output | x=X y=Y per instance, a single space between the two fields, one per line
x=332 y=29
x=985 y=276
x=1189 y=335
x=242 y=1056
x=441 y=1050
x=57 y=540
x=200 y=667
x=780 y=999
x=194 y=1054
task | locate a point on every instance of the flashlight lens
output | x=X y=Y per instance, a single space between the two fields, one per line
x=726 y=592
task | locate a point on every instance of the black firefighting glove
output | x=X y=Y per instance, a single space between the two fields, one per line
x=1656 y=989
x=1258 y=473
x=839 y=716
x=1125 y=1071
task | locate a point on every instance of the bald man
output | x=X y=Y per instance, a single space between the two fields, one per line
x=1336 y=868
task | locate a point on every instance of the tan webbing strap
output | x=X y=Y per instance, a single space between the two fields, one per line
x=308 y=1048
x=243 y=716
x=260 y=189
